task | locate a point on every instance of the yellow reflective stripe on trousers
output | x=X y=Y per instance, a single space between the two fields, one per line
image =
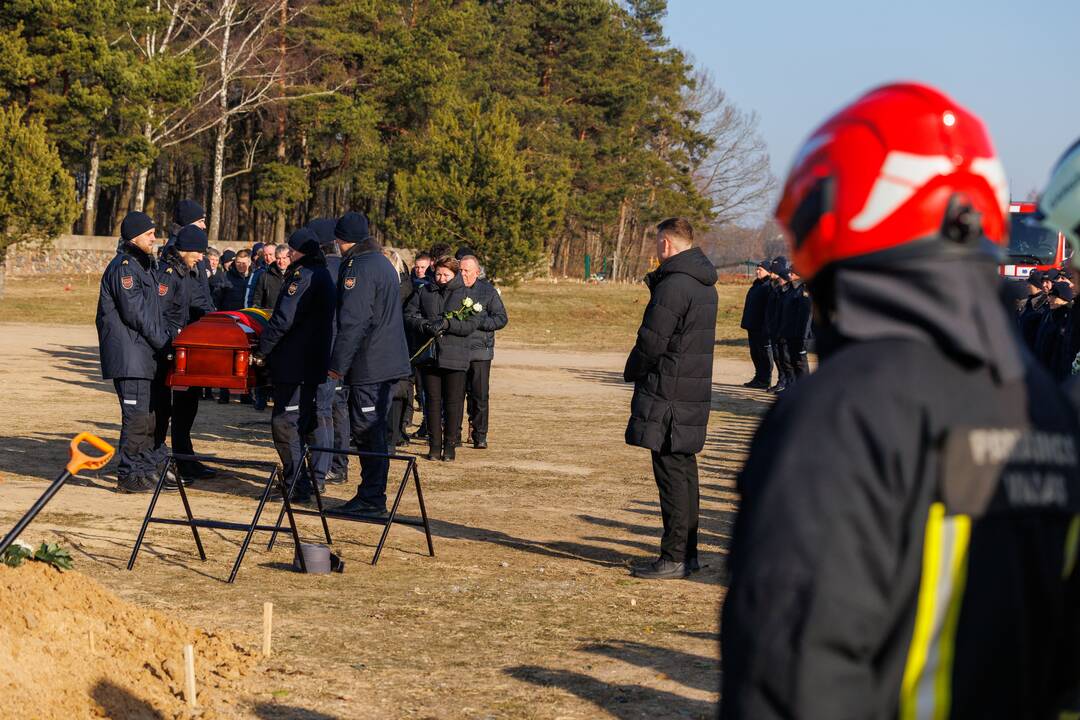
x=926 y=691
x=1071 y=538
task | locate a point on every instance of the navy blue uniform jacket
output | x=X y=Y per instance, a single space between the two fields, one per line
x=370 y=345
x=296 y=341
x=129 y=324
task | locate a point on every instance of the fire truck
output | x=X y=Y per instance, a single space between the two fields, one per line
x=1031 y=245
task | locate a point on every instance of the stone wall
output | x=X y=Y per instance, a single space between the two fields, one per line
x=67 y=255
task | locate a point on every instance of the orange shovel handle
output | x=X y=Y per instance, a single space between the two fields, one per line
x=81 y=461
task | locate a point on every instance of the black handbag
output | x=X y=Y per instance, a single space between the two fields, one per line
x=428 y=355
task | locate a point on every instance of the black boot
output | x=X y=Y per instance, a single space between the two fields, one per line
x=448 y=454
x=480 y=443
x=661 y=569
x=434 y=453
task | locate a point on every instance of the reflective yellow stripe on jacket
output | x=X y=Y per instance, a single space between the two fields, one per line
x=926 y=692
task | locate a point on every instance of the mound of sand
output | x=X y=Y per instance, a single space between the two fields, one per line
x=69 y=648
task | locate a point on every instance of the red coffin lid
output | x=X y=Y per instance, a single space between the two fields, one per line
x=218 y=331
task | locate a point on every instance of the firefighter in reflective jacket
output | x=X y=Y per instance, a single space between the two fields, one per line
x=183 y=299
x=131 y=334
x=296 y=345
x=906 y=541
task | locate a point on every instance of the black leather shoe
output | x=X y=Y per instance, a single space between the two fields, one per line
x=171 y=480
x=757 y=385
x=693 y=565
x=362 y=508
x=480 y=444
x=449 y=454
x=332 y=478
x=195 y=470
x=661 y=570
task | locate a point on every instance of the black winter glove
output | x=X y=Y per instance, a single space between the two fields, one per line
x=435 y=328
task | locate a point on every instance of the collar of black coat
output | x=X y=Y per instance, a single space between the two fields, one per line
x=690 y=262
x=932 y=291
x=456 y=283
x=142 y=258
x=170 y=256
x=366 y=246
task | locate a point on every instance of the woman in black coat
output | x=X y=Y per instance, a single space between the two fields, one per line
x=443 y=374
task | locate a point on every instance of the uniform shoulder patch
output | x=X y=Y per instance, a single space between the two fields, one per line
x=162 y=289
x=296 y=274
x=293 y=288
x=127 y=282
x=349 y=265
x=350 y=283
x=123 y=262
x=168 y=271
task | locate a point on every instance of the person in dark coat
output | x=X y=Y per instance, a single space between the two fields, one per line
x=332 y=401
x=905 y=543
x=131 y=336
x=753 y=322
x=671 y=368
x=795 y=328
x=774 y=311
x=448 y=360
x=421 y=275
x=183 y=300
x=231 y=293
x=489 y=320
x=270 y=280
x=296 y=345
x=1032 y=312
x=1052 y=339
x=370 y=353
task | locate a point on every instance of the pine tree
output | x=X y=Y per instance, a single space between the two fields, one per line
x=470 y=187
x=37 y=196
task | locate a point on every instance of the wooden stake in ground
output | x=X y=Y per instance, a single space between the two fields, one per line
x=268 y=624
x=92 y=648
x=189 y=675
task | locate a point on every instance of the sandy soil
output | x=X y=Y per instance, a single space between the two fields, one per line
x=527 y=610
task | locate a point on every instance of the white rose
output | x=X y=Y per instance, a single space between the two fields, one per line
x=467 y=302
x=478 y=307
x=24 y=546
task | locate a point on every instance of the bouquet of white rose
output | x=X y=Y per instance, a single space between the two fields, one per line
x=467 y=310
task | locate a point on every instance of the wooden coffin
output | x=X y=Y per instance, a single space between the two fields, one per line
x=215 y=351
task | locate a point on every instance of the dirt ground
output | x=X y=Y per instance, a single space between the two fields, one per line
x=526 y=611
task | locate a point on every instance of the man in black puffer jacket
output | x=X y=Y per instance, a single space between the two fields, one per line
x=753 y=322
x=489 y=319
x=671 y=368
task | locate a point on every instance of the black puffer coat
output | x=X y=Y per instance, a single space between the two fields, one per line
x=671 y=364
x=430 y=303
x=491 y=318
x=753 y=314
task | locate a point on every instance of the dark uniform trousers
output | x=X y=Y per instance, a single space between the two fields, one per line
x=181 y=406
x=760 y=355
x=797 y=361
x=676 y=477
x=477 y=387
x=777 y=351
x=400 y=412
x=332 y=404
x=784 y=367
x=369 y=417
x=136 y=454
x=293 y=425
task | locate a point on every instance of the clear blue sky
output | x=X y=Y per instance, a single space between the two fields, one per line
x=1016 y=64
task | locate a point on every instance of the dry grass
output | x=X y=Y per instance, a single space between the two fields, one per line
x=567 y=315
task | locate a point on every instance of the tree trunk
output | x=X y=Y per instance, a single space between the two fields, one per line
x=214 y=227
x=90 y=204
x=620 y=234
x=279 y=218
x=123 y=202
x=140 y=182
x=3 y=270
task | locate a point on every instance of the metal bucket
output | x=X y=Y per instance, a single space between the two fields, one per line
x=316 y=558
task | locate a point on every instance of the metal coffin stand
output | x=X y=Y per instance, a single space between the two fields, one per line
x=249 y=529
x=321 y=512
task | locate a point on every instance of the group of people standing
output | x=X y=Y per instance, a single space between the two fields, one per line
x=777 y=317
x=1047 y=323
x=340 y=345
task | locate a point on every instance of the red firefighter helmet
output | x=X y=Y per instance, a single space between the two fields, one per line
x=883 y=171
